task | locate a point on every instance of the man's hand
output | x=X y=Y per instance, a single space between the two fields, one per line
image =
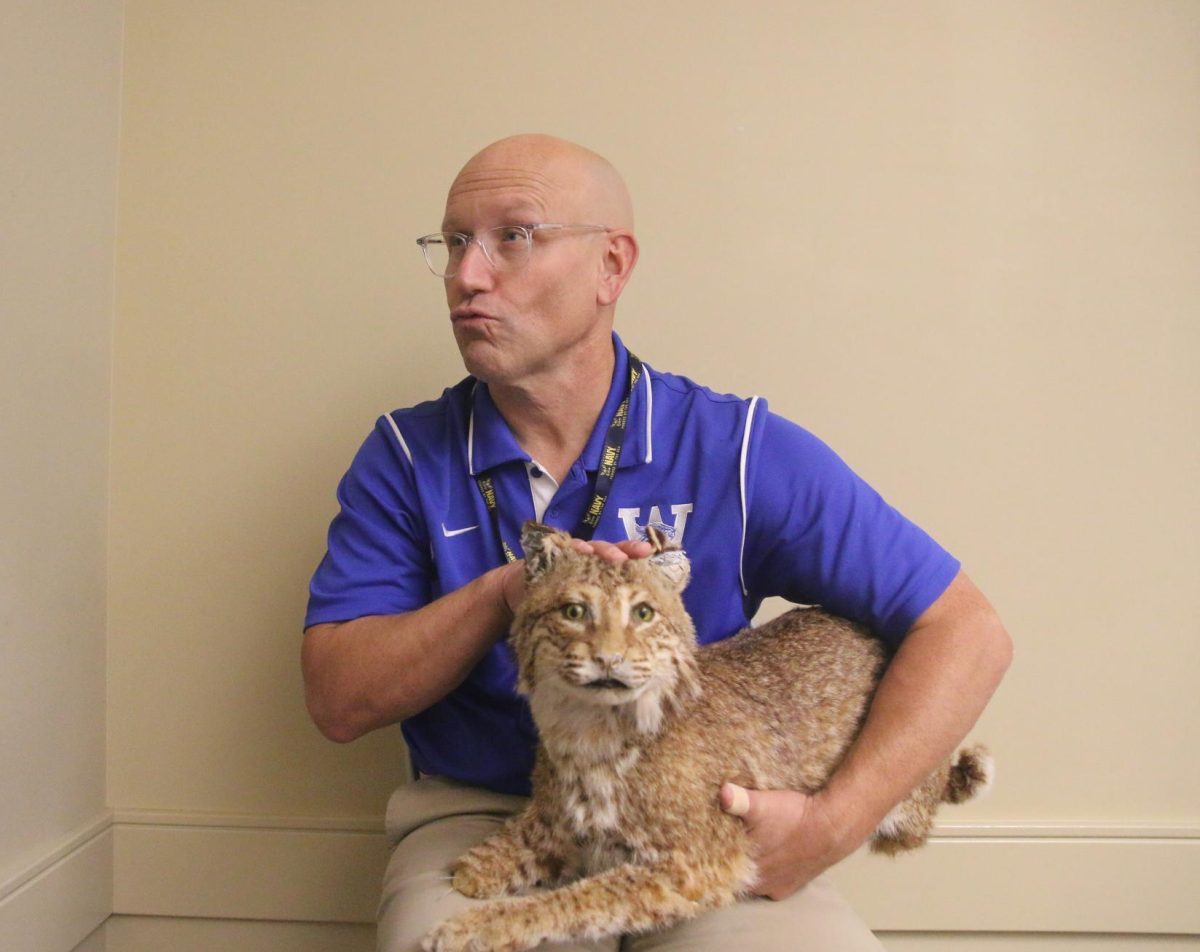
x=512 y=586
x=511 y=577
x=795 y=837
x=614 y=551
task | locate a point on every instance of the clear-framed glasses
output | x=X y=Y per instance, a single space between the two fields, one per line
x=506 y=248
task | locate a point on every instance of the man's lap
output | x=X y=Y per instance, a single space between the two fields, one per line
x=432 y=821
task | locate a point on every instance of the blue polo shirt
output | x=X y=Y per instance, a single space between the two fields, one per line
x=761 y=506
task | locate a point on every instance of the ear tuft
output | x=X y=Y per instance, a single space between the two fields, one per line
x=543 y=547
x=675 y=566
x=660 y=541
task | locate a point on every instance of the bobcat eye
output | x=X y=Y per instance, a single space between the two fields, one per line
x=573 y=611
x=643 y=612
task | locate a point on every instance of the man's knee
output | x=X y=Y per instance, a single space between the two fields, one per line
x=815 y=919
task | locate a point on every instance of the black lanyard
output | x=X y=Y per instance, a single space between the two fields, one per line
x=605 y=475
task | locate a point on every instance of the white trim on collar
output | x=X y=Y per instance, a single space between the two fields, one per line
x=471 y=433
x=471 y=425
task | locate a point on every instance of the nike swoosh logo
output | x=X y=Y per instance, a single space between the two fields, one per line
x=448 y=533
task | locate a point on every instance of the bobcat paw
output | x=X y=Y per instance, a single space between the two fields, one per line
x=484 y=875
x=475 y=930
x=450 y=936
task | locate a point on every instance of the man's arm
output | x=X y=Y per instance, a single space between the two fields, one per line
x=931 y=694
x=377 y=670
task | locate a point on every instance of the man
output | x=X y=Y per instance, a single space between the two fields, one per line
x=411 y=604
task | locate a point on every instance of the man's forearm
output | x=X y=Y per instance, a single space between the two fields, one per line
x=380 y=669
x=932 y=693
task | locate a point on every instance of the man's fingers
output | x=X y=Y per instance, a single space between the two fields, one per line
x=735 y=800
x=512 y=587
x=604 y=550
x=613 y=551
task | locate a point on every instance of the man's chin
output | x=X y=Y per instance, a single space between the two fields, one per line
x=480 y=357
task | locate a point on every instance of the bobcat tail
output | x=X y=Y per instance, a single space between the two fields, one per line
x=970 y=775
x=908 y=824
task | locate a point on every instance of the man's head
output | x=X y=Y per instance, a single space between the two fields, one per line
x=511 y=325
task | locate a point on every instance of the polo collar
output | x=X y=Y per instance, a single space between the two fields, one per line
x=491 y=443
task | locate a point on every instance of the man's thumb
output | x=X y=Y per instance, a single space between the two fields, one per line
x=735 y=800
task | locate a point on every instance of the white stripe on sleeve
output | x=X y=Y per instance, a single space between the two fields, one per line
x=400 y=437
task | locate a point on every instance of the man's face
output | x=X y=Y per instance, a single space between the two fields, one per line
x=510 y=325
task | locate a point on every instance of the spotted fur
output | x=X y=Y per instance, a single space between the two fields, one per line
x=639 y=729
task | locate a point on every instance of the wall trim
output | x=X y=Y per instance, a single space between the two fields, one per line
x=71 y=843
x=1069 y=880
x=296 y=869
x=994 y=877
x=62 y=896
x=301 y=824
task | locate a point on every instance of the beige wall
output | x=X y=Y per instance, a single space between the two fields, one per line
x=57 y=226
x=59 y=119
x=956 y=240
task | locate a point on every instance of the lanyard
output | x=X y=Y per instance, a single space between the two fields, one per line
x=605 y=475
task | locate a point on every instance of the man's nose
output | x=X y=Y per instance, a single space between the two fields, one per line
x=475 y=271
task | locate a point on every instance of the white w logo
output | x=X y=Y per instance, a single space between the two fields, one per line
x=635 y=529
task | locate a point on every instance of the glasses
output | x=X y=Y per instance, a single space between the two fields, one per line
x=506 y=248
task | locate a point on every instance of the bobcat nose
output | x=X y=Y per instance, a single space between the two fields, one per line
x=609 y=660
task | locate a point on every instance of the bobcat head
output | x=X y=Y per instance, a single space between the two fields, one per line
x=602 y=634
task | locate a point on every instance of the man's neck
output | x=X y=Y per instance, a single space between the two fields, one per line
x=553 y=414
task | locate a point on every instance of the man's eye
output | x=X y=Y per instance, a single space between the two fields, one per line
x=456 y=242
x=573 y=611
x=643 y=612
x=512 y=233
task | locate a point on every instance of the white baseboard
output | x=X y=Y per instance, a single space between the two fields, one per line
x=1011 y=879
x=1034 y=879
x=236 y=867
x=1063 y=878
x=58 y=900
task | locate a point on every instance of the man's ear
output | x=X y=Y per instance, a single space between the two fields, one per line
x=543 y=546
x=619 y=258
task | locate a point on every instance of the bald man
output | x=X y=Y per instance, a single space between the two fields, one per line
x=411 y=604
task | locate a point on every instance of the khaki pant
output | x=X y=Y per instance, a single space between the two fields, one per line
x=433 y=821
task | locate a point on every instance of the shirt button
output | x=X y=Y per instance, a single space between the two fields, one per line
x=535 y=472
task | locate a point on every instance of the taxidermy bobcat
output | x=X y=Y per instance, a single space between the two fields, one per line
x=638 y=731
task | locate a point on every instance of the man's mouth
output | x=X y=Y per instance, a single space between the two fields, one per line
x=469 y=314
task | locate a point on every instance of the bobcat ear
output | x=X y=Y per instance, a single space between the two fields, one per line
x=543 y=547
x=668 y=557
x=674 y=565
x=659 y=540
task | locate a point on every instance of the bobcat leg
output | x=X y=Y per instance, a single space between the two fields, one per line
x=626 y=899
x=520 y=855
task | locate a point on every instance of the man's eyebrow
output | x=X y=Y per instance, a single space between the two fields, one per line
x=524 y=213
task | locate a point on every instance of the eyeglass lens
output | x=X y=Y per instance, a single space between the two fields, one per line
x=506 y=247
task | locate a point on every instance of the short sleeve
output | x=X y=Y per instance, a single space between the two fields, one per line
x=817 y=534
x=377 y=560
